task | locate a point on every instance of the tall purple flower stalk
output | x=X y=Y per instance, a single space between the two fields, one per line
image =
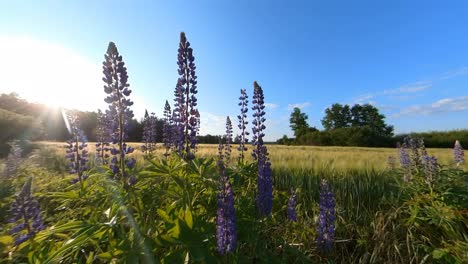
x=431 y=168
x=264 y=184
x=258 y=122
x=77 y=152
x=326 y=219
x=167 y=128
x=103 y=132
x=149 y=133
x=13 y=160
x=242 y=138
x=292 y=203
x=116 y=88
x=26 y=214
x=185 y=105
x=405 y=161
x=226 y=231
x=228 y=139
x=458 y=153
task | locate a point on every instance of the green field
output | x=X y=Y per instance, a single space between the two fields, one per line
x=380 y=218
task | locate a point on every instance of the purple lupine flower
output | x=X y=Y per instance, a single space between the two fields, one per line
x=242 y=138
x=292 y=203
x=13 y=160
x=76 y=151
x=103 y=136
x=264 y=184
x=458 y=154
x=185 y=105
x=149 y=133
x=431 y=168
x=167 y=128
x=258 y=123
x=405 y=161
x=228 y=139
x=326 y=218
x=226 y=231
x=416 y=145
x=26 y=214
x=117 y=89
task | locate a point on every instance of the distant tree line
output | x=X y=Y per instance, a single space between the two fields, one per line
x=358 y=125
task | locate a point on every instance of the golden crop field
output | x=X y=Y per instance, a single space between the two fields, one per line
x=305 y=157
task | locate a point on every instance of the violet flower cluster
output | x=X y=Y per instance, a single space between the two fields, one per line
x=167 y=129
x=226 y=231
x=242 y=138
x=103 y=137
x=326 y=218
x=13 y=160
x=258 y=123
x=431 y=168
x=119 y=113
x=405 y=161
x=76 y=151
x=292 y=203
x=185 y=107
x=458 y=153
x=26 y=214
x=228 y=140
x=264 y=184
x=149 y=133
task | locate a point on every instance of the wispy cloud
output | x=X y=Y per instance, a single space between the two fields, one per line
x=454 y=73
x=212 y=124
x=443 y=105
x=298 y=105
x=271 y=105
x=410 y=88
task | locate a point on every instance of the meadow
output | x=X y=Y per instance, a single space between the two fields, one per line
x=112 y=201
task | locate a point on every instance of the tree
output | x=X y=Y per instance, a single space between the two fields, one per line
x=337 y=116
x=298 y=122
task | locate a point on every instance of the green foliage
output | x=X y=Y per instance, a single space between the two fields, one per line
x=298 y=122
x=438 y=139
x=169 y=216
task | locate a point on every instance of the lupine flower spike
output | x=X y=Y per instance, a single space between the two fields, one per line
x=458 y=153
x=185 y=107
x=103 y=136
x=228 y=139
x=292 y=203
x=77 y=152
x=116 y=87
x=431 y=168
x=242 y=138
x=167 y=129
x=264 y=184
x=258 y=123
x=226 y=231
x=26 y=214
x=326 y=219
x=149 y=133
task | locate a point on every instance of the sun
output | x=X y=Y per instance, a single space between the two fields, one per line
x=49 y=73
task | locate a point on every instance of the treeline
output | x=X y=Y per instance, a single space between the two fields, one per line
x=359 y=125
x=344 y=125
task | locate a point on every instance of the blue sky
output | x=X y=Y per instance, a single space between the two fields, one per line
x=408 y=58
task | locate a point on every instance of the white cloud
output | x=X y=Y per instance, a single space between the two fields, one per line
x=410 y=88
x=298 y=105
x=271 y=105
x=212 y=124
x=440 y=106
x=454 y=73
